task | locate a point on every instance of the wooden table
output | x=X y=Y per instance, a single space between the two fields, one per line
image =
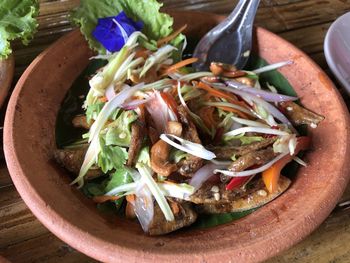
x=304 y=23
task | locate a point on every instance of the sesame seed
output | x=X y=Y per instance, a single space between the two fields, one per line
x=122 y=135
x=313 y=125
x=250 y=198
x=262 y=193
x=215 y=189
x=289 y=108
x=217 y=196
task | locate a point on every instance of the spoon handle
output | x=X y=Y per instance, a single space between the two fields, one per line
x=242 y=17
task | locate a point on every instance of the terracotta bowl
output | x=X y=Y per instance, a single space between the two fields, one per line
x=7 y=69
x=30 y=140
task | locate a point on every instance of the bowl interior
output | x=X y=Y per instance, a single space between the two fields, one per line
x=337 y=50
x=30 y=140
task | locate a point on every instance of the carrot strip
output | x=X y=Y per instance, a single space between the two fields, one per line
x=220 y=94
x=272 y=175
x=170 y=102
x=216 y=93
x=142 y=52
x=171 y=36
x=207 y=115
x=178 y=65
x=174 y=208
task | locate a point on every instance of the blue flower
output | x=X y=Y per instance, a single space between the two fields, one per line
x=113 y=32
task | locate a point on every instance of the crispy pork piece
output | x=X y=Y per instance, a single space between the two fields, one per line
x=299 y=115
x=254 y=197
x=192 y=163
x=213 y=193
x=185 y=216
x=259 y=157
x=160 y=163
x=138 y=132
x=226 y=152
x=225 y=70
x=80 y=121
x=137 y=135
x=160 y=151
x=72 y=159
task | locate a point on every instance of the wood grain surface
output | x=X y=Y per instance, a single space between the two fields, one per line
x=302 y=22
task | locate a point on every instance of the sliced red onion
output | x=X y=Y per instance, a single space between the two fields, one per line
x=222 y=163
x=202 y=175
x=144 y=206
x=146 y=177
x=195 y=149
x=272 y=66
x=131 y=105
x=110 y=92
x=158 y=110
x=266 y=95
x=267 y=106
x=253 y=171
x=257 y=130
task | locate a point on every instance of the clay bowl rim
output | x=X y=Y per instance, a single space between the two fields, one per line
x=72 y=234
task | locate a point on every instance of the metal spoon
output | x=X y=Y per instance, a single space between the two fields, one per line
x=229 y=42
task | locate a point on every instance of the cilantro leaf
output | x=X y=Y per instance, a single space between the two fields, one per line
x=144 y=156
x=17 y=20
x=93 y=110
x=111 y=157
x=119 y=177
x=119 y=131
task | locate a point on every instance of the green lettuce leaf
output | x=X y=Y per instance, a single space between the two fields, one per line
x=119 y=131
x=17 y=21
x=156 y=24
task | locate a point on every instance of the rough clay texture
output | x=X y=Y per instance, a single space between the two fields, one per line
x=30 y=138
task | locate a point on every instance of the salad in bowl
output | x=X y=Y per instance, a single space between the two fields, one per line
x=166 y=144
